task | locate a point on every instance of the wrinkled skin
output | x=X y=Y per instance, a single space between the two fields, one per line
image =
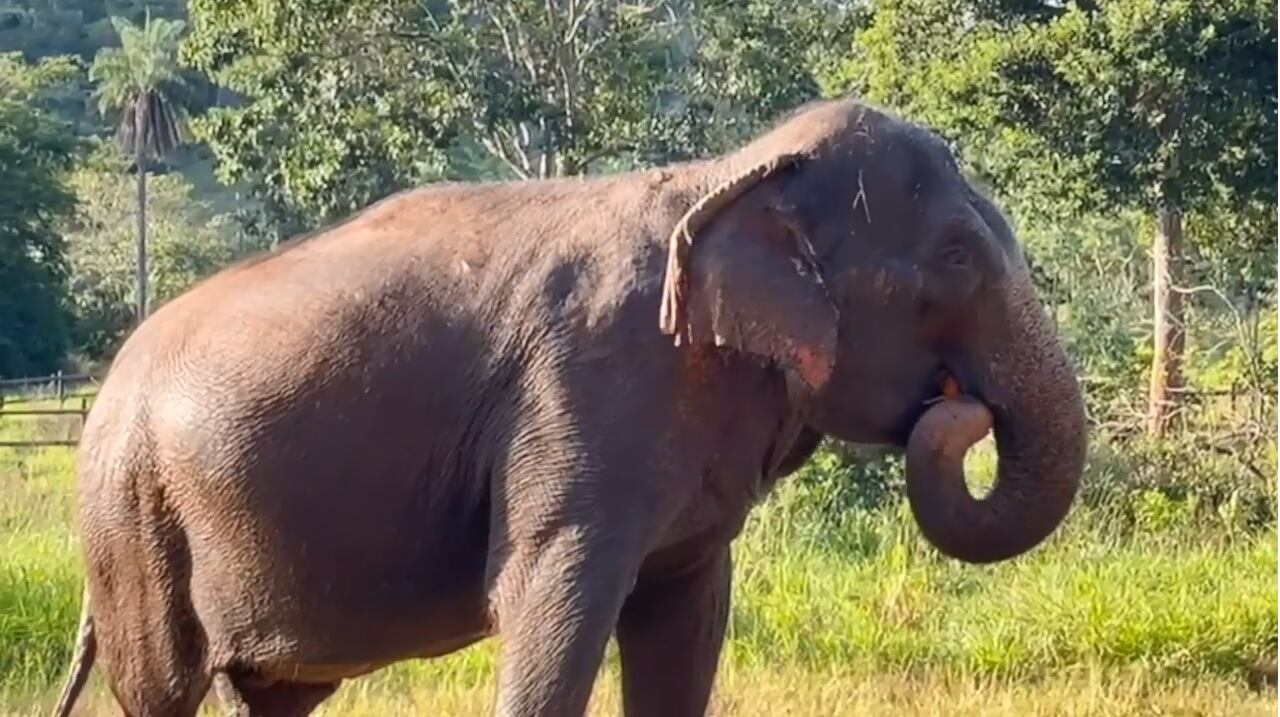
x=456 y=416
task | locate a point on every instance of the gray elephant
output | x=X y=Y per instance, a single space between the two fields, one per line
x=543 y=410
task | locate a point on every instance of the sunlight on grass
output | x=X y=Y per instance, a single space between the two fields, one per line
x=856 y=615
x=1084 y=691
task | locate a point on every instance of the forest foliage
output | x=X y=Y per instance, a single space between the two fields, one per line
x=1102 y=126
x=1132 y=142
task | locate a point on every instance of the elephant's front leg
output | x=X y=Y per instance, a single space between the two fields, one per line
x=557 y=605
x=669 y=637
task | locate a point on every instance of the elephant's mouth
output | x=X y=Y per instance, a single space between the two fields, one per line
x=943 y=384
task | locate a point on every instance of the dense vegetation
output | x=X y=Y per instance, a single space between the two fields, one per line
x=1133 y=142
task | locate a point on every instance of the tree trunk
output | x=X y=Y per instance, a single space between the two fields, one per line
x=1170 y=335
x=142 y=236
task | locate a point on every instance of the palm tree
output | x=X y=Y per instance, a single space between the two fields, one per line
x=139 y=79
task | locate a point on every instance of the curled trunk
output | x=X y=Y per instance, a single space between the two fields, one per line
x=1032 y=398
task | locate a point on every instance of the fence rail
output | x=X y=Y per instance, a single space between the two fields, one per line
x=81 y=388
x=78 y=389
x=60 y=386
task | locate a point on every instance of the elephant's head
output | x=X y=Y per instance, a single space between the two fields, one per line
x=846 y=248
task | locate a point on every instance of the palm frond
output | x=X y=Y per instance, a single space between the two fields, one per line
x=139 y=79
x=111 y=71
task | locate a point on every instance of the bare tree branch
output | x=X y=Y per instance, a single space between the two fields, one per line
x=576 y=19
x=544 y=151
x=500 y=153
x=520 y=142
x=507 y=46
x=522 y=44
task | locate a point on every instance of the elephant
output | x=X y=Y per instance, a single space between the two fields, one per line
x=541 y=410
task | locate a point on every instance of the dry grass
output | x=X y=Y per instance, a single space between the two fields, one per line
x=1084 y=692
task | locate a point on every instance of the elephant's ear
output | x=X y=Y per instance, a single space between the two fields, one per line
x=741 y=273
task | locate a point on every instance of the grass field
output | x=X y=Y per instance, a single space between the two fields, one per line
x=836 y=612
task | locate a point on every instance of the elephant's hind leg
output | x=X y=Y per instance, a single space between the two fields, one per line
x=151 y=684
x=151 y=645
x=244 y=697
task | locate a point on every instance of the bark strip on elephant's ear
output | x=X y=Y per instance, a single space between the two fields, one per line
x=673 y=317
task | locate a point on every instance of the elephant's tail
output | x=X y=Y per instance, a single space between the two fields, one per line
x=86 y=650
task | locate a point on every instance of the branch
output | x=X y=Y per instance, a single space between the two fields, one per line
x=602 y=153
x=1232 y=452
x=498 y=151
x=567 y=60
x=520 y=143
x=544 y=153
x=523 y=44
x=508 y=48
x=1242 y=331
x=590 y=48
x=451 y=65
x=640 y=10
x=491 y=139
x=576 y=19
x=1208 y=288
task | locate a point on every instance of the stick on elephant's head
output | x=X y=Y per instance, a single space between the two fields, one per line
x=847 y=248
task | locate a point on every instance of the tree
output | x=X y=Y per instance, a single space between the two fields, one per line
x=346 y=102
x=187 y=241
x=335 y=109
x=50 y=28
x=549 y=89
x=138 y=79
x=1098 y=106
x=755 y=60
x=35 y=151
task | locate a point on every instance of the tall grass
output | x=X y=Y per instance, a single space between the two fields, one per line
x=840 y=607
x=39 y=566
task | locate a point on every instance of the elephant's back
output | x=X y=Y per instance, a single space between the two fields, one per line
x=363 y=348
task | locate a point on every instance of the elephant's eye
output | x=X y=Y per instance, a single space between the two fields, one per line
x=955 y=256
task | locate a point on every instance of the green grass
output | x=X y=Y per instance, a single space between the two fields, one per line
x=835 y=612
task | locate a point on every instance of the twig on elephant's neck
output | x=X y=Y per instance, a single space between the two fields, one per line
x=861 y=198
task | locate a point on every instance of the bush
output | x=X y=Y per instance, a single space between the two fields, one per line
x=1130 y=484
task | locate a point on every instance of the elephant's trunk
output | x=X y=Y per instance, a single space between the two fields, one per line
x=1039 y=422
